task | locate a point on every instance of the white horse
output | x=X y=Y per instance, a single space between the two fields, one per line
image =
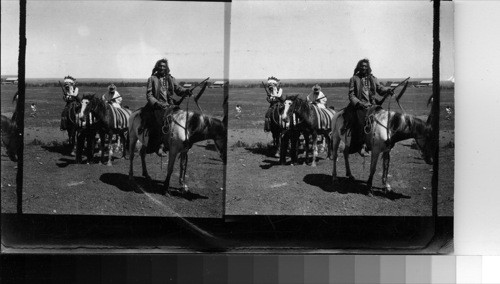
x=199 y=127
x=381 y=138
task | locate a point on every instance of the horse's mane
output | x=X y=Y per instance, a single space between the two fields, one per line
x=299 y=105
x=401 y=122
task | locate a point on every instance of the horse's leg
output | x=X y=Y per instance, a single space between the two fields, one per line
x=347 y=166
x=283 y=147
x=124 y=144
x=132 y=153
x=315 y=148
x=72 y=140
x=277 y=143
x=307 y=141
x=142 y=153
x=110 y=148
x=328 y=142
x=373 y=167
x=293 y=147
x=183 y=168
x=79 y=146
x=90 y=146
x=172 y=155
x=335 y=145
x=386 y=158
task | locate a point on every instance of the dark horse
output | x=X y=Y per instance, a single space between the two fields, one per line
x=311 y=120
x=111 y=120
x=72 y=123
x=179 y=138
x=277 y=126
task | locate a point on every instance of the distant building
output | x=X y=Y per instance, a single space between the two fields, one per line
x=218 y=84
x=424 y=83
x=188 y=85
x=9 y=80
x=395 y=84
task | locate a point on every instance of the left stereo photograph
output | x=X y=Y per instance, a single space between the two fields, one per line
x=124 y=109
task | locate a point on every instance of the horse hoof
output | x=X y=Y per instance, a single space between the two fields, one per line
x=350 y=177
x=109 y=164
x=370 y=194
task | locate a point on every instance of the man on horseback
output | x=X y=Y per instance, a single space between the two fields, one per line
x=362 y=89
x=274 y=96
x=161 y=88
x=112 y=96
x=70 y=94
x=317 y=97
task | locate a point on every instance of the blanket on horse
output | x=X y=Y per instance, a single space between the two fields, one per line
x=324 y=118
x=119 y=117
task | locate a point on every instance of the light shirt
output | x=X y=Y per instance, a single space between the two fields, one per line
x=318 y=99
x=116 y=99
x=275 y=94
x=71 y=94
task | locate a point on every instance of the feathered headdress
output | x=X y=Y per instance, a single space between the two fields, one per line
x=69 y=80
x=273 y=80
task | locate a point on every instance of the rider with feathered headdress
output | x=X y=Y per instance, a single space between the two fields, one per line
x=70 y=94
x=274 y=95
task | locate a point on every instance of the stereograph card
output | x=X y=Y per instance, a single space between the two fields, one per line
x=277 y=126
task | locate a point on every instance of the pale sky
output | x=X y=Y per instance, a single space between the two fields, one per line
x=115 y=39
x=287 y=39
x=325 y=39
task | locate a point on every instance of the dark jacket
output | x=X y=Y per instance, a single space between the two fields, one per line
x=153 y=94
x=356 y=94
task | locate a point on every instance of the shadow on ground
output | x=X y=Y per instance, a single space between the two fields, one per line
x=143 y=185
x=348 y=186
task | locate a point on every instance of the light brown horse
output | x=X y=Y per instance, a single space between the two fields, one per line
x=384 y=130
x=199 y=127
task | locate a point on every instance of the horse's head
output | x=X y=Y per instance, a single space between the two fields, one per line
x=87 y=104
x=220 y=137
x=288 y=108
x=426 y=141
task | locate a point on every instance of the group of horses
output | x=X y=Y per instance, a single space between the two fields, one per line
x=294 y=117
x=93 y=116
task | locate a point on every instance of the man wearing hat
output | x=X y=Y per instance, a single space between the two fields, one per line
x=112 y=96
x=70 y=94
x=317 y=97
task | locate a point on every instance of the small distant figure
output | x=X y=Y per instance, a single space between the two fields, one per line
x=238 y=111
x=33 y=110
x=449 y=112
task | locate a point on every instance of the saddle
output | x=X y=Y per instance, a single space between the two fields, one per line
x=356 y=119
x=156 y=123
